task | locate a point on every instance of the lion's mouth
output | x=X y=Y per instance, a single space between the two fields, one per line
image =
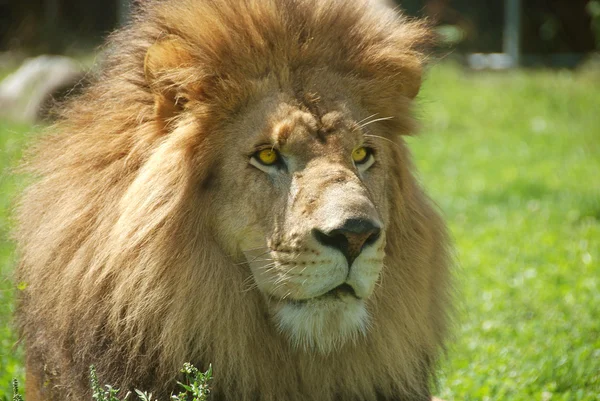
x=341 y=291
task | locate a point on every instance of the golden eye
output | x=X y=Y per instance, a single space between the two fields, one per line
x=268 y=157
x=361 y=155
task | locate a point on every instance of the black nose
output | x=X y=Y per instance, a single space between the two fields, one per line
x=350 y=238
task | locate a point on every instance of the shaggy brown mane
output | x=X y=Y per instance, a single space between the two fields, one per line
x=121 y=268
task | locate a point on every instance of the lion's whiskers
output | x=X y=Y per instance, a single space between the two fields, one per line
x=261 y=260
x=268 y=265
x=256 y=258
x=382 y=138
x=255 y=249
x=281 y=279
x=249 y=284
x=366 y=118
x=360 y=126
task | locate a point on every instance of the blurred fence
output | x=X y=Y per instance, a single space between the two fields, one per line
x=55 y=26
x=544 y=27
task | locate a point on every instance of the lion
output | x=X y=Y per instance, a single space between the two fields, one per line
x=234 y=189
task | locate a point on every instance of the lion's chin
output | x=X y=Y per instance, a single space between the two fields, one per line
x=323 y=324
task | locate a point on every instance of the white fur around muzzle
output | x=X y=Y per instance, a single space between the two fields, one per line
x=324 y=324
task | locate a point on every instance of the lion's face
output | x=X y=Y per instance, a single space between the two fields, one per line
x=305 y=206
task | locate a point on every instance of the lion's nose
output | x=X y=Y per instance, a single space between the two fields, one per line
x=350 y=238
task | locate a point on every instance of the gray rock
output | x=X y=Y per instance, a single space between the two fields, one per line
x=27 y=94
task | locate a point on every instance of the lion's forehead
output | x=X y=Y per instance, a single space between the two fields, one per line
x=298 y=131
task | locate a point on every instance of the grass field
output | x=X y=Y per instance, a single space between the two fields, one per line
x=12 y=139
x=513 y=160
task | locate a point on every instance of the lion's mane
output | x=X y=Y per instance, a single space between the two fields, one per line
x=119 y=268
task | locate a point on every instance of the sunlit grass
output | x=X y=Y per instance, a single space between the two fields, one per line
x=513 y=160
x=12 y=140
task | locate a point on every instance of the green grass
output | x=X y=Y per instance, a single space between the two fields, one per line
x=513 y=160
x=12 y=139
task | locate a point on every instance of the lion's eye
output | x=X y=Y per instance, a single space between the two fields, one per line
x=361 y=155
x=268 y=157
x=268 y=160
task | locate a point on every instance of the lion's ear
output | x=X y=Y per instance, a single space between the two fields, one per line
x=405 y=58
x=162 y=66
x=412 y=77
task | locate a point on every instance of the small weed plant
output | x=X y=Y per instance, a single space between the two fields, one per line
x=16 y=395
x=194 y=388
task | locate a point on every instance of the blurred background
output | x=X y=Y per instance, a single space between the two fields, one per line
x=509 y=150
x=546 y=27
x=490 y=34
